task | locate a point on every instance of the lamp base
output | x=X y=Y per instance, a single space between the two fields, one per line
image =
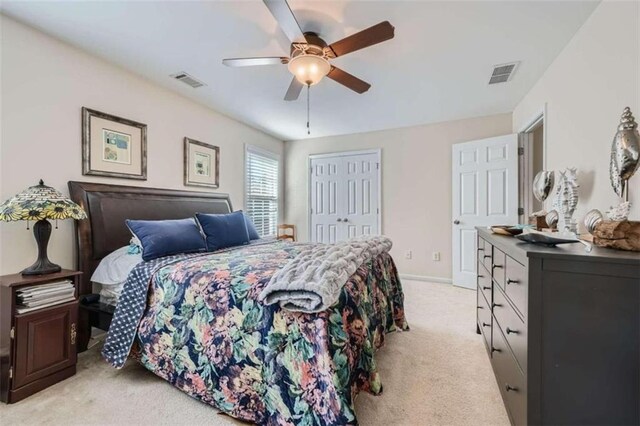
x=42 y=232
x=41 y=267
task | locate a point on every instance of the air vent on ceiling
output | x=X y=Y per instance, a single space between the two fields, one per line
x=187 y=79
x=503 y=73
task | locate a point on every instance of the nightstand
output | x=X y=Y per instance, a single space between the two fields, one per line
x=38 y=347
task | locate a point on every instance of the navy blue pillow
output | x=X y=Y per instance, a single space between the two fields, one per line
x=223 y=230
x=167 y=237
x=251 y=228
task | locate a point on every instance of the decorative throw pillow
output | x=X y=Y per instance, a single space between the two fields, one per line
x=251 y=228
x=223 y=230
x=161 y=238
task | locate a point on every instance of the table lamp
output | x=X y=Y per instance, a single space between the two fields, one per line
x=39 y=203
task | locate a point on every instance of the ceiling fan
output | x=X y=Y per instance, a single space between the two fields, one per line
x=310 y=55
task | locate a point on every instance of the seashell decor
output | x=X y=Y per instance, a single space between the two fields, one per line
x=552 y=219
x=619 y=212
x=543 y=184
x=625 y=154
x=592 y=218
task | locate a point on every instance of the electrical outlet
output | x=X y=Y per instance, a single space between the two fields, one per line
x=435 y=256
x=408 y=254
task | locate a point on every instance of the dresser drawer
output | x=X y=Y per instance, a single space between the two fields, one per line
x=484 y=318
x=511 y=381
x=484 y=282
x=516 y=285
x=512 y=327
x=498 y=267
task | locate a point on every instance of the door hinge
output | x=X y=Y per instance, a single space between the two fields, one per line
x=378 y=211
x=311 y=211
x=11 y=373
x=520 y=211
x=12 y=333
x=520 y=151
x=377 y=165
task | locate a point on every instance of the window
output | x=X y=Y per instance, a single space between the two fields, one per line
x=261 y=189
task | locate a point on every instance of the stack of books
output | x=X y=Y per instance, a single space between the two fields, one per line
x=42 y=296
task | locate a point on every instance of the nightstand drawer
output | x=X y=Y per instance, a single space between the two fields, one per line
x=45 y=342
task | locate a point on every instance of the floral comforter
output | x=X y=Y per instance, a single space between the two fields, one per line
x=205 y=332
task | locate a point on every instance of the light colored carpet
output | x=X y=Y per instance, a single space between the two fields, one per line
x=436 y=374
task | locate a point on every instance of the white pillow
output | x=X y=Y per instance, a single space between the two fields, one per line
x=114 y=268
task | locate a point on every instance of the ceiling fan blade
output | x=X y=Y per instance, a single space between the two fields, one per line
x=250 y=62
x=286 y=19
x=348 y=80
x=294 y=90
x=365 y=38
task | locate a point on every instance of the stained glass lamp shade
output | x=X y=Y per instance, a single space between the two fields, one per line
x=39 y=203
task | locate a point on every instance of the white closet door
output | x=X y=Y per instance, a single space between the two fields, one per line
x=360 y=213
x=344 y=196
x=325 y=180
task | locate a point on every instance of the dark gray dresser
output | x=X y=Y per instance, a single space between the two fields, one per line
x=562 y=329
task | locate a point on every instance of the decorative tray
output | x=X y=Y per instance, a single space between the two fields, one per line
x=544 y=239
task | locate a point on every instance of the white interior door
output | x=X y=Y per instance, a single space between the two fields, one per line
x=485 y=192
x=345 y=196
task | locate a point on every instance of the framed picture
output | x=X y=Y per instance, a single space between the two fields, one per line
x=201 y=164
x=113 y=146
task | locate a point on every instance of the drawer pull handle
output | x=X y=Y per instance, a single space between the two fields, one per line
x=486 y=256
x=73 y=333
x=495 y=350
x=480 y=276
x=486 y=288
x=509 y=331
x=494 y=266
x=480 y=248
x=484 y=324
x=497 y=305
x=510 y=388
x=510 y=281
x=479 y=307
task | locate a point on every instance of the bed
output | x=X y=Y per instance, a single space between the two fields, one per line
x=202 y=327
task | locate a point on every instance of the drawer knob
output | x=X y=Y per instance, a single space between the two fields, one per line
x=510 y=331
x=494 y=266
x=497 y=305
x=509 y=388
x=484 y=324
x=510 y=281
x=495 y=350
x=486 y=288
x=486 y=256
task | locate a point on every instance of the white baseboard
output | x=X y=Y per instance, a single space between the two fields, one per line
x=426 y=278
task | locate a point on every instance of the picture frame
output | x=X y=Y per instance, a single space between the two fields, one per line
x=113 y=146
x=201 y=164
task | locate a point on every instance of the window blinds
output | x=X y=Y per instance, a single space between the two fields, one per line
x=261 y=180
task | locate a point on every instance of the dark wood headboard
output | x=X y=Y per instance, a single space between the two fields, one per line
x=108 y=206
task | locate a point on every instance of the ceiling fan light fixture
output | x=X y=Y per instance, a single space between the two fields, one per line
x=309 y=69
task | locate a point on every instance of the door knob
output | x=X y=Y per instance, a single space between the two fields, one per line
x=456 y=222
x=339 y=220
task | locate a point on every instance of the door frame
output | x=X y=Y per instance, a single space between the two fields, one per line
x=312 y=157
x=526 y=186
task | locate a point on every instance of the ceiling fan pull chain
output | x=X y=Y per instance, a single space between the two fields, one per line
x=308 y=108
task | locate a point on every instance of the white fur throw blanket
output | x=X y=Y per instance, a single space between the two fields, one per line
x=313 y=280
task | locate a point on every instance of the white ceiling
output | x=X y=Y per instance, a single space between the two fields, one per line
x=435 y=69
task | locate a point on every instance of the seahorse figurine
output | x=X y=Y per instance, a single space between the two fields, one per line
x=566 y=199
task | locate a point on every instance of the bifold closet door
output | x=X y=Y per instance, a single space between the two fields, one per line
x=344 y=196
